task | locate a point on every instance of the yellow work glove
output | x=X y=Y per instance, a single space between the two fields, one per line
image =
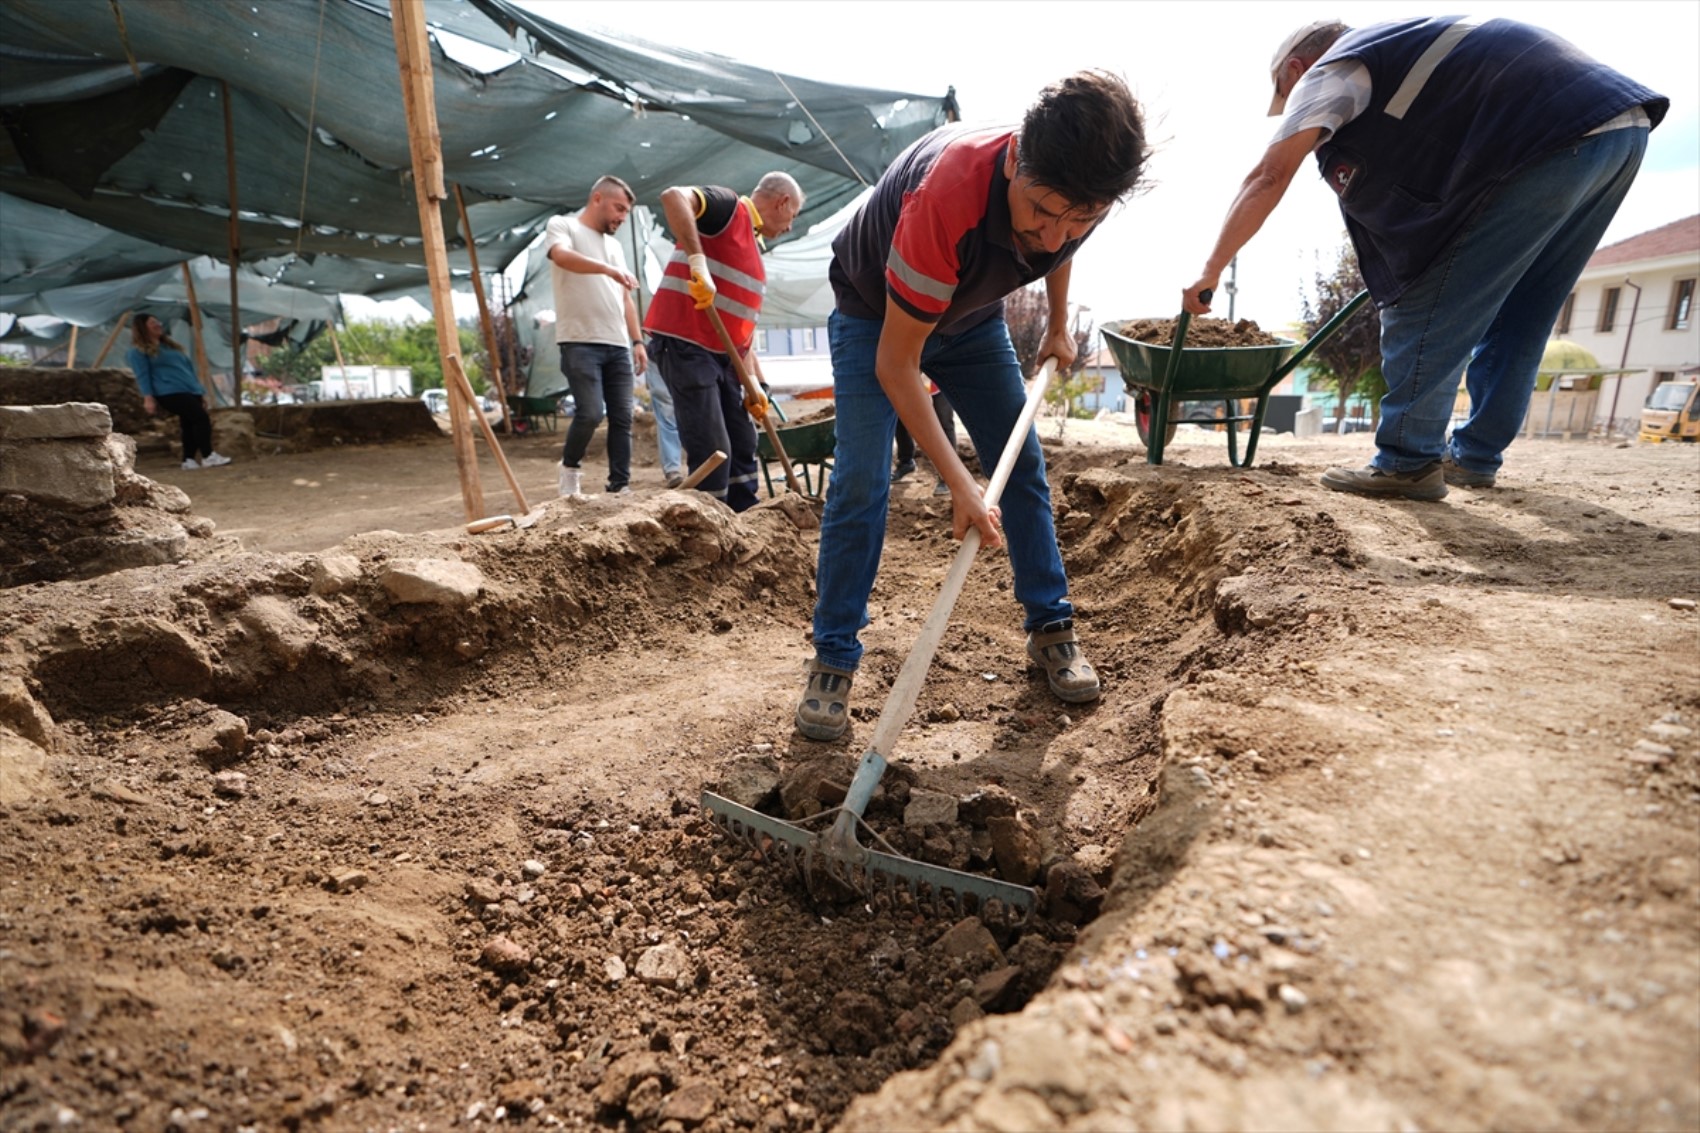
x=756 y=405
x=701 y=284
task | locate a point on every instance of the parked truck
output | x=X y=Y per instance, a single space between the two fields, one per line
x=361 y=383
x=1672 y=413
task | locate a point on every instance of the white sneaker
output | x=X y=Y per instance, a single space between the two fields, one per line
x=568 y=481
x=625 y=491
x=191 y=466
x=214 y=460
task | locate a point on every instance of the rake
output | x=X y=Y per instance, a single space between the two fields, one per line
x=837 y=852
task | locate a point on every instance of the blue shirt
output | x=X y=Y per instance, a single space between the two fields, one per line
x=169 y=371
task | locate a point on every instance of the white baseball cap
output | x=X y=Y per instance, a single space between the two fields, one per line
x=1277 y=103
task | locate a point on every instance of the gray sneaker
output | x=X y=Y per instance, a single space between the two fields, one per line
x=1054 y=648
x=1425 y=483
x=1460 y=477
x=824 y=711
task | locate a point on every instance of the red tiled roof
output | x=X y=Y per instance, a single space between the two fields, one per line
x=1668 y=240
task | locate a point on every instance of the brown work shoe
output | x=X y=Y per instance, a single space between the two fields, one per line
x=1460 y=477
x=1425 y=483
x=824 y=711
x=1054 y=648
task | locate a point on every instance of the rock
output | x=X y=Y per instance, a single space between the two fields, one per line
x=533 y=868
x=1016 y=849
x=482 y=891
x=348 y=881
x=1682 y=603
x=986 y=804
x=502 y=955
x=54 y=422
x=20 y=712
x=519 y=1094
x=994 y=990
x=333 y=574
x=1044 y=1061
x=1072 y=894
x=220 y=738
x=114 y=791
x=929 y=808
x=230 y=784
x=692 y=1103
x=65 y=473
x=666 y=965
x=965 y=1012
x=1292 y=998
x=749 y=781
x=614 y=969
x=1000 y=1111
x=812 y=786
x=283 y=633
x=434 y=582
x=1099 y=861
x=625 y=1073
x=1666 y=732
x=968 y=939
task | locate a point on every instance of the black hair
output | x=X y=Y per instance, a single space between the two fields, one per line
x=1084 y=139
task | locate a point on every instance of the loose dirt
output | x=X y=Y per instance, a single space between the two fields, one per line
x=1387 y=817
x=1200 y=332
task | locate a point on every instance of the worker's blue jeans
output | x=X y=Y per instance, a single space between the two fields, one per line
x=600 y=377
x=977 y=371
x=1490 y=301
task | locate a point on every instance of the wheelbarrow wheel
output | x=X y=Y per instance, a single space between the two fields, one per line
x=1144 y=409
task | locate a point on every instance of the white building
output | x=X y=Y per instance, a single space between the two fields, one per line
x=1633 y=308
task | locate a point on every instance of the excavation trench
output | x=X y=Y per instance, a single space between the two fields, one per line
x=387 y=854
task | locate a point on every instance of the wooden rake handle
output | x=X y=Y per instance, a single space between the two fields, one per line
x=753 y=387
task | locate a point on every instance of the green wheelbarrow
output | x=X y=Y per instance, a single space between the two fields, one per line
x=810 y=442
x=1160 y=378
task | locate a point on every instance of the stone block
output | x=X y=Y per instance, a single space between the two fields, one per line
x=54 y=422
x=73 y=474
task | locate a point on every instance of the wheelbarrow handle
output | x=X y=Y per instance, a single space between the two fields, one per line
x=1322 y=335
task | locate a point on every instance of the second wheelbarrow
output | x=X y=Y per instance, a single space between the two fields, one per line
x=1159 y=377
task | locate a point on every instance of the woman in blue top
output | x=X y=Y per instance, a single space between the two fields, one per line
x=167 y=380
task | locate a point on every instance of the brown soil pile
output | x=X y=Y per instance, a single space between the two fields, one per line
x=1200 y=333
x=397 y=829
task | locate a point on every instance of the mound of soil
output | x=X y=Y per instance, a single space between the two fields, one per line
x=403 y=828
x=1200 y=333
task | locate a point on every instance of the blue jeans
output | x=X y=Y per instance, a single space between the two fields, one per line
x=667 y=444
x=977 y=371
x=600 y=377
x=1490 y=301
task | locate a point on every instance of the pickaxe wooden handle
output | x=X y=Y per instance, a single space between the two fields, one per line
x=751 y=386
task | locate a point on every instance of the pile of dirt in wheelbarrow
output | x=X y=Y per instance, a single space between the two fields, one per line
x=1200 y=332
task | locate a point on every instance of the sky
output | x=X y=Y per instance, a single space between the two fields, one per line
x=1201 y=71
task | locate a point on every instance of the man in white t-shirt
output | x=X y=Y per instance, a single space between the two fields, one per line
x=597 y=329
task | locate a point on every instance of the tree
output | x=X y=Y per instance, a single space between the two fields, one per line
x=1027 y=314
x=379 y=343
x=1349 y=361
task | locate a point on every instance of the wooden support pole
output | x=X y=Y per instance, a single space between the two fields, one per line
x=110 y=339
x=413 y=56
x=71 y=350
x=235 y=247
x=195 y=323
x=484 y=319
x=456 y=373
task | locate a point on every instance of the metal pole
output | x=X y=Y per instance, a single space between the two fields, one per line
x=235 y=249
x=1623 y=363
x=1233 y=287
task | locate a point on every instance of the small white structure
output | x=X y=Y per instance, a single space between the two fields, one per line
x=362 y=383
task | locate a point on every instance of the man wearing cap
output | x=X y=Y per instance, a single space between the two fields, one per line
x=717 y=263
x=1477 y=163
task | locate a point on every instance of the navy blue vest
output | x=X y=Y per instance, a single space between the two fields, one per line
x=1454 y=111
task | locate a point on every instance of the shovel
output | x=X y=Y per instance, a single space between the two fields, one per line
x=836 y=851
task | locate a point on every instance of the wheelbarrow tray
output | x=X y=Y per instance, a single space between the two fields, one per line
x=810 y=442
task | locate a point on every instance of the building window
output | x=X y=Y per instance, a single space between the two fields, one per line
x=1563 y=327
x=1681 y=304
x=808 y=340
x=1608 y=308
x=761 y=342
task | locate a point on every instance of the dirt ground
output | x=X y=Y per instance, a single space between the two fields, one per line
x=1389 y=816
